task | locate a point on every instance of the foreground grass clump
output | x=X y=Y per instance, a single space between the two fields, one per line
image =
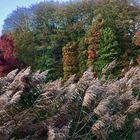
x=89 y=109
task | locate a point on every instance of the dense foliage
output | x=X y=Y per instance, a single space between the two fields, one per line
x=93 y=40
x=102 y=30
x=8 y=61
x=70 y=60
x=108 y=50
x=88 y=45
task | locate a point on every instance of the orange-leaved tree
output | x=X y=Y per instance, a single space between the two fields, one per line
x=137 y=43
x=137 y=38
x=70 y=60
x=93 y=41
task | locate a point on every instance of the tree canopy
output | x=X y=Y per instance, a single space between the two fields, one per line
x=102 y=30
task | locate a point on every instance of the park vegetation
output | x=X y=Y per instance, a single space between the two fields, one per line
x=93 y=48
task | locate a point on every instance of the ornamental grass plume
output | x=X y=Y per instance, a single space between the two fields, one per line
x=87 y=109
x=100 y=127
x=119 y=121
x=136 y=123
x=93 y=94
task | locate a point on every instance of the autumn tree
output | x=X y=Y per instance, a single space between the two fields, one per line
x=70 y=60
x=137 y=38
x=92 y=39
x=136 y=49
x=8 y=61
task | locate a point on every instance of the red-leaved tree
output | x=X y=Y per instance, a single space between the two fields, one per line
x=8 y=61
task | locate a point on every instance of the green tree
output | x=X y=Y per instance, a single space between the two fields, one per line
x=26 y=49
x=83 y=56
x=123 y=17
x=109 y=49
